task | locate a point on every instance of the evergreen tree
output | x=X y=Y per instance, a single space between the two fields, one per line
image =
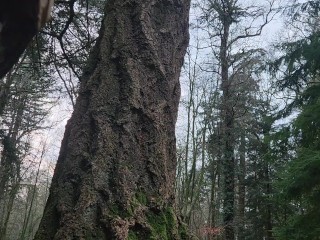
x=299 y=183
x=299 y=186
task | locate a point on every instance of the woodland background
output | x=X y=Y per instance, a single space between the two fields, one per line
x=248 y=129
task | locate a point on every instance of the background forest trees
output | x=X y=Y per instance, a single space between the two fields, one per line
x=36 y=99
x=271 y=99
x=248 y=144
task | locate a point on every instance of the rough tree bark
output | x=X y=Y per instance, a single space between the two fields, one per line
x=116 y=171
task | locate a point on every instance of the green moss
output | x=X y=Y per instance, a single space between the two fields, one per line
x=171 y=219
x=163 y=224
x=183 y=233
x=132 y=236
x=122 y=213
x=138 y=200
x=114 y=210
x=141 y=198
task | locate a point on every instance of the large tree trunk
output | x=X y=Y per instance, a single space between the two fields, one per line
x=116 y=171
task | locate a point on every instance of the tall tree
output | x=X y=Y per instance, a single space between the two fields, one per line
x=115 y=174
x=230 y=23
x=300 y=182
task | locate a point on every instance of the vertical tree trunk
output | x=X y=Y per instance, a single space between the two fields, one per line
x=268 y=226
x=228 y=135
x=242 y=188
x=116 y=171
x=268 y=222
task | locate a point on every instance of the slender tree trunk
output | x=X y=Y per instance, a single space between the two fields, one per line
x=28 y=220
x=116 y=171
x=267 y=187
x=268 y=221
x=189 y=137
x=212 y=203
x=214 y=216
x=228 y=141
x=242 y=188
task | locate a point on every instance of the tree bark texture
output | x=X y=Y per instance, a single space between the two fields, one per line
x=116 y=171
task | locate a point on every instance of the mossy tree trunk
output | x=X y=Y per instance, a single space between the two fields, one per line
x=116 y=171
